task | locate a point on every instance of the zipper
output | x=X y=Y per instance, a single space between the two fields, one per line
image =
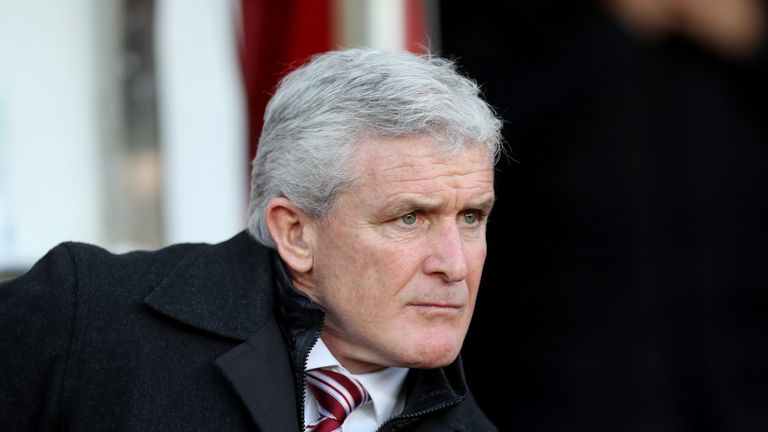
x=421 y=413
x=303 y=385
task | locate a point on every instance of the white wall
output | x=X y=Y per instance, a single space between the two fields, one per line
x=203 y=125
x=50 y=189
x=61 y=130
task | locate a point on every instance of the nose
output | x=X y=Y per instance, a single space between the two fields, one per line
x=447 y=257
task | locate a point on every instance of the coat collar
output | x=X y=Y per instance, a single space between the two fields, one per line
x=224 y=288
x=228 y=289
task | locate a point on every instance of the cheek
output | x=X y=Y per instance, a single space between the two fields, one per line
x=359 y=273
x=401 y=268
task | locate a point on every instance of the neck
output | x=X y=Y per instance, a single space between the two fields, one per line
x=349 y=363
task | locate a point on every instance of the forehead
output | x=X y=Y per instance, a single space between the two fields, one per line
x=380 y=161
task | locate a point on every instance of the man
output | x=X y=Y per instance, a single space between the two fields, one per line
x=346 y=303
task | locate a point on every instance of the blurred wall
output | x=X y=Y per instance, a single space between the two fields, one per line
x=52 y=121
x=131 y=123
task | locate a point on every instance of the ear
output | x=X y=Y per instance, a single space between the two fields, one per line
x=291 y=231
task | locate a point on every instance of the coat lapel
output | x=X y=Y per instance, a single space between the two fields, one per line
x=260 y=372
x=228 y=289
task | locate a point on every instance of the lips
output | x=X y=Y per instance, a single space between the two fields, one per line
x=438 y=308
x=439 y=305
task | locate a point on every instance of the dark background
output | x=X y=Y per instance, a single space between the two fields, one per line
x=626 y=286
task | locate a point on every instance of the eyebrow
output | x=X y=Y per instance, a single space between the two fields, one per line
x=428 y=205
x=485 y=205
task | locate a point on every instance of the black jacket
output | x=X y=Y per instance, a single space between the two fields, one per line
x=190 y=337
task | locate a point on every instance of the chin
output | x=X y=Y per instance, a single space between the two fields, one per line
x=435 y=353
x=435 y=362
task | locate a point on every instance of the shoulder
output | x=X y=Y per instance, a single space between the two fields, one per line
x=71 y=259
x=100 y=265
x=73 y=286
x=72 y=275
x=79 y=317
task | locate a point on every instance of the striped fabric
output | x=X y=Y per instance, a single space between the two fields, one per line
x=337 y=395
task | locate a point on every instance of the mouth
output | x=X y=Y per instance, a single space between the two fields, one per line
x=438 y=308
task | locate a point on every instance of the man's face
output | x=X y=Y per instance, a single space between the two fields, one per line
x=398 y=264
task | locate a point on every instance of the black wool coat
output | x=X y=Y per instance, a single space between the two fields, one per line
x=180 y=339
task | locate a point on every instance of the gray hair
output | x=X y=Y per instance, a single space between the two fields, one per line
x=321 y=110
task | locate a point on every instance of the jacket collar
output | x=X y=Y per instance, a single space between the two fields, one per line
x=301 y=319
x=215 y=288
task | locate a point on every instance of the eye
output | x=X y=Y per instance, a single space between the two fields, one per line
x=470 y=217
x=408 y=219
